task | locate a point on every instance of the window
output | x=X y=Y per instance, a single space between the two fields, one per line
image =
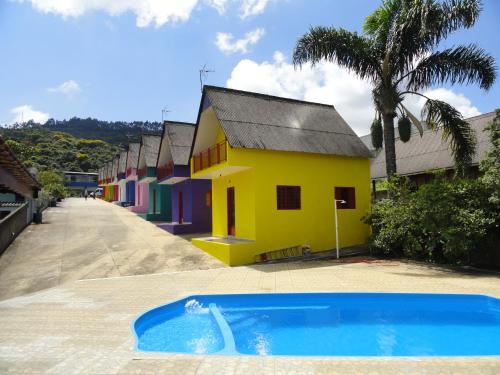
x=346 y=194
x=288 y=197
x=208 y=198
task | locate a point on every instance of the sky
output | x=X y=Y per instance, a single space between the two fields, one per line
x=130 y=59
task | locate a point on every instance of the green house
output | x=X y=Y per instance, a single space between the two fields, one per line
x=160 y=197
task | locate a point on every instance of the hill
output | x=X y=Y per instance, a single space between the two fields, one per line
x=76 y=144
x=114 y=132
x=46 y=149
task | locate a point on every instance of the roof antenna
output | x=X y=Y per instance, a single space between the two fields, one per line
x=204 y=75
x=164 y=112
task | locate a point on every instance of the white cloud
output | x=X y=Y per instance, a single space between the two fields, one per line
x=329 y=84
x=219 y=5
x=67 y=88
x=157 y=12
x=252 y=7
x=226 y=44
x=24 y=113
x=459 y=101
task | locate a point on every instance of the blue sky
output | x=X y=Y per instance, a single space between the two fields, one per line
x=128 y=59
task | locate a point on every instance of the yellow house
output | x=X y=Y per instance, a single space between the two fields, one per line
x=277 y=165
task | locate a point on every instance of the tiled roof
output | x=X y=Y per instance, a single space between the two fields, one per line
x=258 y=121
x=180 y=137
x=151 y=145
x=430 y=151
x=132 y=155
x=122 y=162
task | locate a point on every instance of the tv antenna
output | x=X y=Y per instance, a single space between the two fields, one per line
x=164 y=112
x=204 y=75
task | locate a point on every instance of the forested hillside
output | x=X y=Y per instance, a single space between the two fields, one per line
x=114 y=132
x=75 y=144
x=46 y=149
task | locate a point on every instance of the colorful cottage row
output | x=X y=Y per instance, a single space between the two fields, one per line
x=261 y=172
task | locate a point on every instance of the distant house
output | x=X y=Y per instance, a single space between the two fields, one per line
x=107 y=186
x=122 y=182
x=131 y=173
x=18 y=191
x=191 y=199
x=79 y=182
x=420 y=155
x=160 y=205
x=277 y=166
x=114 y=180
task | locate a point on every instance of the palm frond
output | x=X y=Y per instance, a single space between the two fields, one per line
x=462 y=138
x=462 y=64
x=423 y=24
x=348 y=49
x=378 y=24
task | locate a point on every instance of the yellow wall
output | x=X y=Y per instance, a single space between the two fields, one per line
x=257 y=216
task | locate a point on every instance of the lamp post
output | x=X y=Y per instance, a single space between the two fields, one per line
x=337 y=225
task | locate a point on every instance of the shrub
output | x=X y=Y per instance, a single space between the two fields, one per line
x=455 y=221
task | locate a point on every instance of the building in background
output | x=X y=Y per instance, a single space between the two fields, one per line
x=79 y=182
x=160 y=199
x=421 y=155
x=191 y=199
x=121 y=182
x=18 y=191
x=131 y=173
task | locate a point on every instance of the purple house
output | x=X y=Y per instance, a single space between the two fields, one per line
x=191 y=199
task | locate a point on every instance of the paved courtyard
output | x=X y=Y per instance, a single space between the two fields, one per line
x=106 y=266
x=85 y=326
x=92 y=239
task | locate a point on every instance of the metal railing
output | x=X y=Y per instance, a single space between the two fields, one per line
x=12 y=225
x=209 y=157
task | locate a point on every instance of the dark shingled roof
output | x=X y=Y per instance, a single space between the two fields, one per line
x=430 y=151
x=259 y=121
x=133 y=155
x=114 y=171
x=122 y=163
x=180 y=137
x=151 y=145
x=10 y=163
x=107 y=169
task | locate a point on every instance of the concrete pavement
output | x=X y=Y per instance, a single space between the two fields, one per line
x=84 y=327
x=92 y=239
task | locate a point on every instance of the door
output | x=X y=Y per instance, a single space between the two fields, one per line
x=181 y=208
x=230 y=212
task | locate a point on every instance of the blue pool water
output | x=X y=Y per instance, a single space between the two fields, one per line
x=326 y=324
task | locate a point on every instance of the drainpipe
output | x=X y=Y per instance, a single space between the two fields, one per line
x=337 y=225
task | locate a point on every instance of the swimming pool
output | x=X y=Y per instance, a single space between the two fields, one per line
x=324 y=324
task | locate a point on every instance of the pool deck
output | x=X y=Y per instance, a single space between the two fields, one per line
x=84 y=326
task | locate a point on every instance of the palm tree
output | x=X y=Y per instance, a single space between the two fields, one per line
x=396 y=53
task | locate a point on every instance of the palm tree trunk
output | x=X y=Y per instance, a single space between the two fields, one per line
x=390 y=147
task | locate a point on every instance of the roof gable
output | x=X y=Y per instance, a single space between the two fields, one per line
x=251 y=120
x=148 y=151
x=132 y=155
x=179 y=139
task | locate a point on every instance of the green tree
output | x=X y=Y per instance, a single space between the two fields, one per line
x=397 y=54
x=490 y=166
x=50 y=177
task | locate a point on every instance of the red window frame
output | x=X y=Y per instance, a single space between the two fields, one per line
x=347 y=194
x=288 y=197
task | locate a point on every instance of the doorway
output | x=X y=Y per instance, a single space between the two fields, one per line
x=230 y=212
x=181 y=208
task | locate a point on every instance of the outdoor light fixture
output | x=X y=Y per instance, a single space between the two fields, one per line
x=337 y=224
